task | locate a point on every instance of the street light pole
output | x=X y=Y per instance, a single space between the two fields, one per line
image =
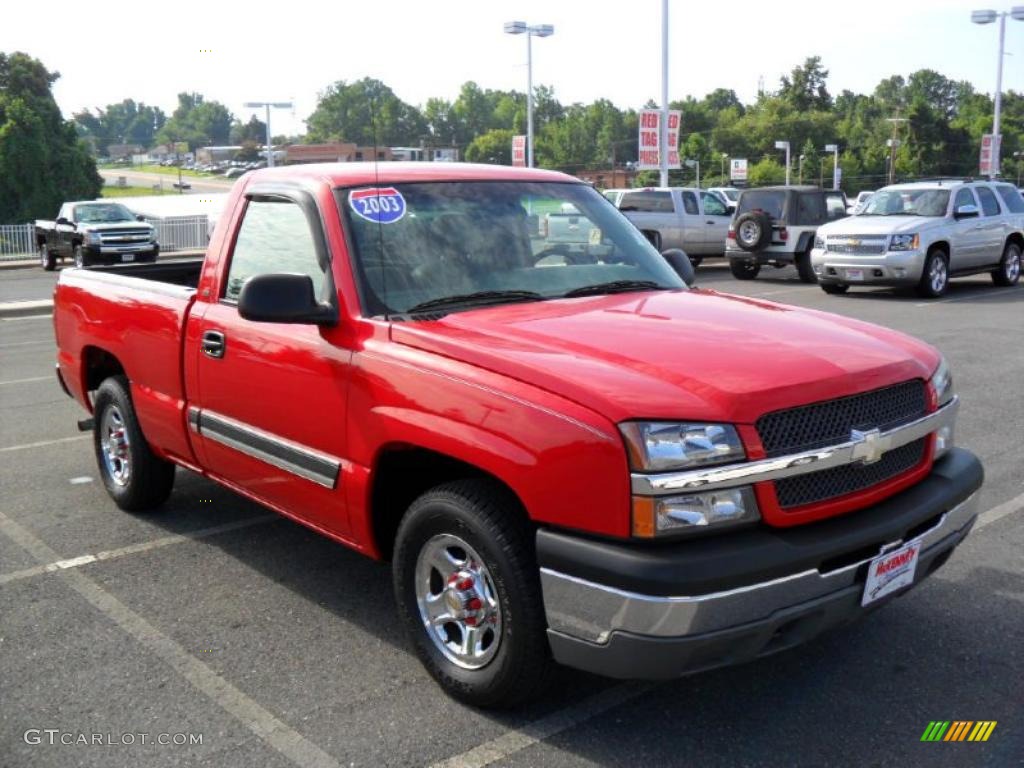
x=537 y=30
x=784 y=145
x=663 y=140
x=268 y=105
x=987 y=17
x=834 y=149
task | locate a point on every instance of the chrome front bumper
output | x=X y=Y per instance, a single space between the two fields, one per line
x=594 y=612
x=889 y=268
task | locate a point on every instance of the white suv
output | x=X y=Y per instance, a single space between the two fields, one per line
x=922 y=234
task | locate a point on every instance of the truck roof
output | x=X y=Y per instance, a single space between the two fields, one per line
x=352 y=174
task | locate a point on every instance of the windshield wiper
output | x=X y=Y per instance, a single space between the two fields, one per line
x=479 y=297
x=615 y=286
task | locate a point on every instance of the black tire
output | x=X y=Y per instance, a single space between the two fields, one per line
x=744 y=270
x=149 y=479
x=81 y=260
x=485 y=516
x=834 y=289
x=1008 y=272
x=804 y=268
x=654 y=238
x=935 y=275
x=47 y=258
x=753 y=230
x=696 y=261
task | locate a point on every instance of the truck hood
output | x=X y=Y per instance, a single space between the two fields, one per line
x=695 y=354
x=878 y=225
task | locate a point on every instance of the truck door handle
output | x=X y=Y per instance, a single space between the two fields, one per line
x=710 y=222
x=213 y=343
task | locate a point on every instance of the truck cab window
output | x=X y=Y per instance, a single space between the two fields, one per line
x=712 y=205
x=274 y=237
x=647 y=201
x=690 y=203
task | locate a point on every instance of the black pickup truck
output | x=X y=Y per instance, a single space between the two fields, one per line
x=95 y=233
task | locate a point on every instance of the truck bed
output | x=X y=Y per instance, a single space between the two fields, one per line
x=136 y=314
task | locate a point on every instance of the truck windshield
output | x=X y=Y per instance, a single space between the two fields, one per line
x=456 y=245
x=907 y=202
x=102 y=212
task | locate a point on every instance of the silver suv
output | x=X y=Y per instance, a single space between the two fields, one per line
x=922 y=234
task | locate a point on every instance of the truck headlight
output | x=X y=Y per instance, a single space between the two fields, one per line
x=942 y=384
x=693 y=513
x=93 y=238
x=819 y=242
x=656 y=446
x=904 y=243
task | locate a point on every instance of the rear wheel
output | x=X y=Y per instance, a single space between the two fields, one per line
x=135 y=477
x=804 y=268
x=468 y=593
x=744 y=270
x=834 y=288
x=696 y=260
x=935 y=276
x=1008 y=272
x=47 y=258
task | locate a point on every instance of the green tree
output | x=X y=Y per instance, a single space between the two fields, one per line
x=366 y=112
x=197 y=122
x=494 y=146
x=43 y=161
x=255 y=130
x=805 y=87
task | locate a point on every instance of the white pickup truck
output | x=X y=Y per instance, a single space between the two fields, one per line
x=694 y=220
x=921 y=234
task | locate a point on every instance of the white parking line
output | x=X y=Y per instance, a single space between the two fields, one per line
x=508 y=743
x=26 y=381
x=44 y=443
x=131 y=549
x=980 y=295
x=1016 y=504
x=26 y=317
x=272 y=731
x=27 y=344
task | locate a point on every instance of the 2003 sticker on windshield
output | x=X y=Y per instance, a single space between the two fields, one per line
x=381 y=205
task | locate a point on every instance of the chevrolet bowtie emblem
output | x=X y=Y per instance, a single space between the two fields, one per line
x=855 y=242
x=870 y=445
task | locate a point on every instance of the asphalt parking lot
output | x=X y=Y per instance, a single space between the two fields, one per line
x=280 y=648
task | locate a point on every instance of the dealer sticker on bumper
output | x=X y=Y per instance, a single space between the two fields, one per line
x=890 y=572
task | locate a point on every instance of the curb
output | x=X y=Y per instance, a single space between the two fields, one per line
x=19 y=264
x=26 y=308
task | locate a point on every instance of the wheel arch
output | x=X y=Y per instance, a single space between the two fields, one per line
x=1014 y=238
x=97 y=365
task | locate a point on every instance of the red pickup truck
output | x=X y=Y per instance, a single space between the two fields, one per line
x=566 y=456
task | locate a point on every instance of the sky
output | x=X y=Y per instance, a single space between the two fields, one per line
x=233 y=53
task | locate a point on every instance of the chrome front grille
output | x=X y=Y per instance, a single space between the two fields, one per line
x=125 y=237
x=856 y=245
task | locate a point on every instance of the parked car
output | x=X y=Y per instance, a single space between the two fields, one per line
x=857 y=205
x=583 y=463
x=95 y=232
x=776 y=226
x=919 y=235
x=728 y=195
x=692 y=220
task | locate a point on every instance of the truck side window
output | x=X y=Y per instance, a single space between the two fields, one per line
x=1011 y=198
x=989 y=204
x=274 y=237
x=964 y=197
x=647 y=201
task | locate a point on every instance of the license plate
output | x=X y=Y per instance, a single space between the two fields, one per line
x=891 y=572
x=855 y=274
x=127 y=257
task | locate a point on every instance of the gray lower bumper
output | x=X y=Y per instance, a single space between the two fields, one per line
x=624 y=634
x=891 y=268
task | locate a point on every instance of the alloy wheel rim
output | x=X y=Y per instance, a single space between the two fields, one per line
x=1013 y=265
x=457 y=601
x=115 y=446
x=938 y=275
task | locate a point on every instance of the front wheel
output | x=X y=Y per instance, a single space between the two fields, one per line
x=834 y=289
x=468 y=593
x=804 y=268
x=135 y=477
x=1008 y=272
x=47 y=259
x=935 y=276
x=744 y=270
